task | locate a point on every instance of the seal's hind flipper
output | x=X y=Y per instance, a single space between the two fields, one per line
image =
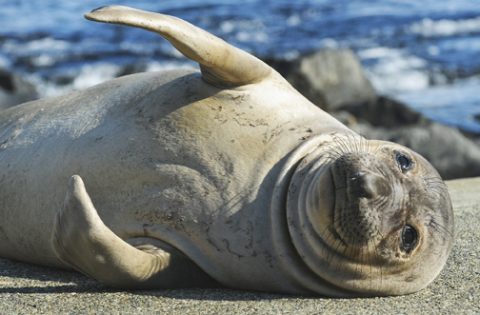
x=82 y=241
x=222 y=64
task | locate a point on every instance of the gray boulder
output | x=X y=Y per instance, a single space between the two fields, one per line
x=330 y=78
x=15 y=90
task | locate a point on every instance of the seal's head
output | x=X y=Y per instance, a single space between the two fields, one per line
x=369 y=217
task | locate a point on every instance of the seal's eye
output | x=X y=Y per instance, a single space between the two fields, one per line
x=404 y=162
x=409 y=238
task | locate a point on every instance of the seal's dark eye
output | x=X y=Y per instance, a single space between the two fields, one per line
x=409 y=238
x=404 y=162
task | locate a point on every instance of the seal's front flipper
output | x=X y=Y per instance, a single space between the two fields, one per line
x=222 y=64
x=81 y=240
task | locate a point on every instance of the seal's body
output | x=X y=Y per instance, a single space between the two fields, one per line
x=229 y=170
x=176 y=159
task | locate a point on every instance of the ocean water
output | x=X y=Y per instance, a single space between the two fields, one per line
x=425 y=53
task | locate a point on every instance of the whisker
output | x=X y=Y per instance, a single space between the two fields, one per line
x=436 y=226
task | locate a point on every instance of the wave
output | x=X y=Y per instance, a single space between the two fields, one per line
x=91 y=74
x=444 y=27
x=394 y=71
x=441 y=103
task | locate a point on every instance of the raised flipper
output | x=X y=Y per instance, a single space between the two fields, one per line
x=81 y=240
x=222 y=64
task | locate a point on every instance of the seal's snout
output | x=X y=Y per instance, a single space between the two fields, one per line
x=361 y=185
x=368 y=185
x=363 y=176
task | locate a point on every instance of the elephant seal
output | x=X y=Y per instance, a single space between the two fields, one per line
x=225 y=176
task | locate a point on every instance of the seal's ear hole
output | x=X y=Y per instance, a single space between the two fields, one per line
x=404 y=162
x=409 y=238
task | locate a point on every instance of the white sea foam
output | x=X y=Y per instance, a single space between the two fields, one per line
x=455 y=104
x=376 y=52
x=90 y=75
x=164 y=66
x=227 y=26
x=48 y=88
x=43 y=52
x=258 y=37
x=406 y=7
x=329 y=43
x=43 y=60
x=87 y=76
x=438 y=28
x=94 y=74
x=464 y=45
x=294 y=20
x=394 y=71
x=291 y=55
x=460 y=92
x=245 y=30
x=47 y=43
x=4 y=62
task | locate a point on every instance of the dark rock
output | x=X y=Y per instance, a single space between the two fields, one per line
x=387 y=112
x=345 y=118
x=63 y=79
x=6 y=82
x=477 y=117
x=15 y=90
x=329 y=78
x=131 y=68
x=449 y=151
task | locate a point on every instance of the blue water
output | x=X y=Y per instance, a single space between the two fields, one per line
x=426 y=53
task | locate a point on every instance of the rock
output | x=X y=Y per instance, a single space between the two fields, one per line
x=330 y=78
x=345 y=118
x=449 y=151
x=476 y=117
x=131 y=68
x=15 y=90
x=387 y=112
